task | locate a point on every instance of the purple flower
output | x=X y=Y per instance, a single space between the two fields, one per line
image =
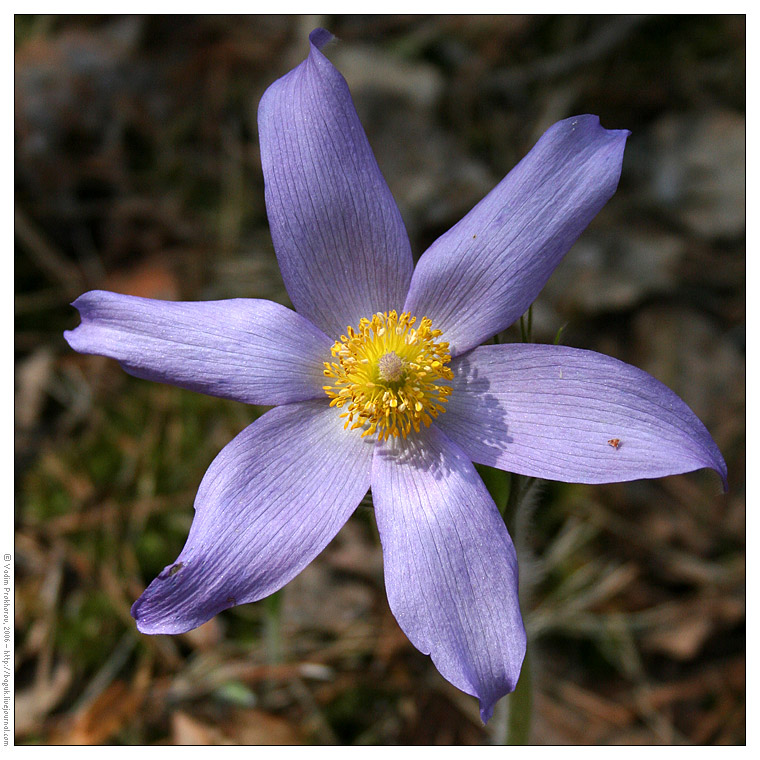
x=377 y=382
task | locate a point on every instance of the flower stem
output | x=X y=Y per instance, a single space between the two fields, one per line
x=526 y=326
x=272 y=627
x=520 y=701
x=519 y=486
x=520 y=706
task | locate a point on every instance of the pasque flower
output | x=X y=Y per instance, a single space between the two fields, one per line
x=377 y=381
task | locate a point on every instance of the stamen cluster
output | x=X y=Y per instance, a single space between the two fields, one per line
x=388 y=374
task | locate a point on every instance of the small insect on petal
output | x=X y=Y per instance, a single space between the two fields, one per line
x=614 y=442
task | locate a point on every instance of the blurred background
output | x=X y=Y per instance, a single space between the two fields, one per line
x=138 y=171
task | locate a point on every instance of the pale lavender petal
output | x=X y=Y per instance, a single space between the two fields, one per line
x=572 y=415
x=482 y=274
x=248 y=350
x=450 y=566
x=337 y=231
x=268 y=505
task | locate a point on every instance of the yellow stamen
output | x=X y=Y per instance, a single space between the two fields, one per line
x=387 y=374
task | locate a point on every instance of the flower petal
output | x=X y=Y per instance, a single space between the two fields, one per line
x=482 y=274
x=450 y=566
x=572 y=415
x=337 y=231
x=268 y=505
x=248 y=350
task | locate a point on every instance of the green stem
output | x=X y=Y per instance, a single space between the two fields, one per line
x=526 y=326
x=520 y=706
x=520 y=702
x=519 y=485
x=272 y=627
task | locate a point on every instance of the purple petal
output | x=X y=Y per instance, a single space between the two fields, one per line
x=572 y=415
x=450 y=566
x=481 y=275
x=270 y=502
x=339 y=237
x=248 y=350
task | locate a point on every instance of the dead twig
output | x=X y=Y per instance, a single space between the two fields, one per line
x=604 y=41
x=51 y=261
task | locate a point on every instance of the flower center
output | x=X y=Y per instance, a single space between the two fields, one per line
x=387 y=374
